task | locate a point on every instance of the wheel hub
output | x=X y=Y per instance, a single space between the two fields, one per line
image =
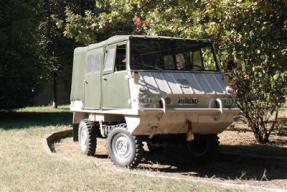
x=121 y=147
x=83 y=140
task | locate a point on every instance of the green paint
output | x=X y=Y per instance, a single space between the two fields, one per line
x=92 y=81
x=93 y=92
x=116 y=93
x=77 y=89
x=88 y=84
x=106 y=89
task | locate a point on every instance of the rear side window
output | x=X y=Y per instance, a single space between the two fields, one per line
x=110 y=59
x=121 y=58
x=94 y=63
x=116 y=58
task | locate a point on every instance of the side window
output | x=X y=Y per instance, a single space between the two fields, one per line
x=94 y=64
x=110 y=59
x=121 y=58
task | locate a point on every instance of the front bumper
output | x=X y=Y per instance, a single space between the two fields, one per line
x=173 y=121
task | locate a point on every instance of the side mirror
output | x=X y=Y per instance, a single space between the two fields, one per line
x=229 y=68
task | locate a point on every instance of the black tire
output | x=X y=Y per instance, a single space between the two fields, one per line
x=87 y=137
x=203 y=147
x=124 y=149
x=75 y=132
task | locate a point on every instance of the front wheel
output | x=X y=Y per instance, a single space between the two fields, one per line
x=124 y=149
x=203 y=147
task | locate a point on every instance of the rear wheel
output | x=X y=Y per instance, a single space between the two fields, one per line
x=203 y=147
x=154 y=148
x=87 y=137
x=124 y=149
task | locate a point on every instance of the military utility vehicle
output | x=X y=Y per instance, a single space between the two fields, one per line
x=158 y=90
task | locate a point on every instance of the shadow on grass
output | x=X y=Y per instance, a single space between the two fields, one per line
x=20 y=120
x=244 y=162
x=233 y=165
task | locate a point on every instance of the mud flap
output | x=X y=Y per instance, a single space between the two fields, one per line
x=189 y=134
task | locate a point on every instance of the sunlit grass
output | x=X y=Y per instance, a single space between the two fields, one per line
x=42 y=109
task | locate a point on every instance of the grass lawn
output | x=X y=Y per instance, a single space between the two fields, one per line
x=24 y=165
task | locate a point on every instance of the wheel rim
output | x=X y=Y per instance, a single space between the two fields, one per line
x=121 y=147
x=83 y=139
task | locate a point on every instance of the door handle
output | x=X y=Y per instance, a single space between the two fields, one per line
x=85 y=81
x=105 y=79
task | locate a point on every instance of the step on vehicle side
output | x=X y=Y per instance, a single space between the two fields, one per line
x=160 y=90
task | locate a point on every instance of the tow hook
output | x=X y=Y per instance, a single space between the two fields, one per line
x=189 y=134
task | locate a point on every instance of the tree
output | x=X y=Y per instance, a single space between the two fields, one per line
x=250 y=32
x=57 y=50
x=20 y=70
x=258 y=44
x=108 y=18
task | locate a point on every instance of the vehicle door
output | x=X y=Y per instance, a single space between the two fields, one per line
x=115 y=85
x=93 y=78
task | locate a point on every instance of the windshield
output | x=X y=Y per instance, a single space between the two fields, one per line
x=170 y=54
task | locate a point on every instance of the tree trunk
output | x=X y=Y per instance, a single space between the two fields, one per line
x=55 y=93
x=261 y=138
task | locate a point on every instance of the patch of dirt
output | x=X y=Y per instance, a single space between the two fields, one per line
x=240 y=159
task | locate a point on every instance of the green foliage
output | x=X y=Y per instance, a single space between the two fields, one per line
x=109 y=18
x=56 y=49
x=33 y=49
x=258 y=45
x=20 y=70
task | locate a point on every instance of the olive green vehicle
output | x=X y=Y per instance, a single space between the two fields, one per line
x=159 y=90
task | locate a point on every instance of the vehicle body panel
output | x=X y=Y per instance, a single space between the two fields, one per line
x=92 y=81
x=116 y=92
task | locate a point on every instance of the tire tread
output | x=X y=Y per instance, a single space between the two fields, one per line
x=92 y=137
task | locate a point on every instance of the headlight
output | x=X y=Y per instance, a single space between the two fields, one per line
x=146 y=100
x=229 y=90
x=149 y=102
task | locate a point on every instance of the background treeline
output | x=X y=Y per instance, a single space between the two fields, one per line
x=37 y=38
x=33 y=51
